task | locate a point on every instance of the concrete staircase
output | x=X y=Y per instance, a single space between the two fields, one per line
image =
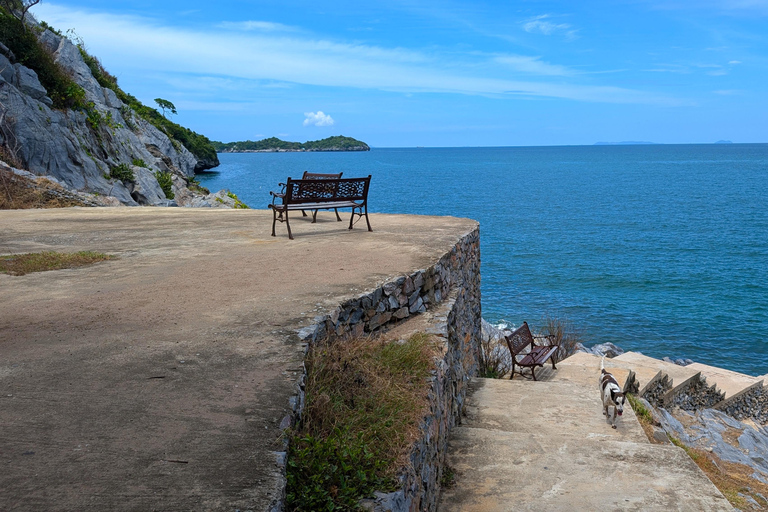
x=545 y=446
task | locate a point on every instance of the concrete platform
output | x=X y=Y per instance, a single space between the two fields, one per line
x=545 y=446
x=158 y=381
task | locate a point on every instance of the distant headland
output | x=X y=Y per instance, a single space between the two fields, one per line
x=275 y=145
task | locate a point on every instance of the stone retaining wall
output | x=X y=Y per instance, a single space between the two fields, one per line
x=697 y=394
x=752 y=404
x=450 y=291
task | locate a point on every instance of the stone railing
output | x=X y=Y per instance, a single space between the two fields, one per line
x=449 y=292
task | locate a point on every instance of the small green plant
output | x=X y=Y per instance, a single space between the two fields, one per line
x=138 y=162
x=93 y=116
x=122 y=172
x=193 y=184
x=239 y=205
x=449 y=477
x=164 y=179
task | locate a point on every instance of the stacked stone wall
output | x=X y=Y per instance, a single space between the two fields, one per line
x=449 y=291
x=752 y=404
x=696 y=395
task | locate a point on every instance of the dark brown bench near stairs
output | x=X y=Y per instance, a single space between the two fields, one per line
x=321 y=194
x=519 y=340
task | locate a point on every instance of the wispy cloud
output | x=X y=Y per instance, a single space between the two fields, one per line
x=532 y=65
x=317 y=119
x=148 y=45
x=261 y=26
x=542 y=25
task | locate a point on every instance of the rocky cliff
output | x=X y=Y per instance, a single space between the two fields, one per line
x=82 y=148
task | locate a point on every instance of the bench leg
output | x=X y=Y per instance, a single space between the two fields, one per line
x=303 y=213
x=314 y=216
x=290 y=235
x=512 y=373
x=533 y=372
x=274 y=220
x=338 y=219
x=366 y=217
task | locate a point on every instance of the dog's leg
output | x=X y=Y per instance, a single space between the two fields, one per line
x=613 y=418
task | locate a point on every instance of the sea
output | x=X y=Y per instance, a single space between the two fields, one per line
x=661 y=249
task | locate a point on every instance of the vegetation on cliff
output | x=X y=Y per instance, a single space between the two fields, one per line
x=336 y=143
x=27 y=49
x=197 y=144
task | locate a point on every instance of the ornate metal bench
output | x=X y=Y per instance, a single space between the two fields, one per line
x=310 y=176
x=321 y=194
x=519 y=340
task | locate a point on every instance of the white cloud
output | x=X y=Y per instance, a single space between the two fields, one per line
x=262 y=26
x=140 y=45
x=317 y=119
x=734 y=62
x=533 y=65
x=538 y=24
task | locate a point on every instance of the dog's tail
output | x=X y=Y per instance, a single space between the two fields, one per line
x=602 y=364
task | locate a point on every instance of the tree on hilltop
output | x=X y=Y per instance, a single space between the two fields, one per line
x=166 y=105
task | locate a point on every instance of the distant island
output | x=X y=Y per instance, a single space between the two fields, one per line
x=275 y=145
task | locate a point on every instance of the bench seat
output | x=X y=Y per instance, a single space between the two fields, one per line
x=522 y=338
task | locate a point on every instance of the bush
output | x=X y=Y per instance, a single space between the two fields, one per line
x=564 y=334
x=122 y=172
x=164 y=179
x=29 y=52
x=364 y=401
x=496 y=360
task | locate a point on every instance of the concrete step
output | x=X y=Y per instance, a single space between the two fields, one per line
x=583 y=366
x=679 y=375
x=525 y=406
x=528 y=445
x=554 y=471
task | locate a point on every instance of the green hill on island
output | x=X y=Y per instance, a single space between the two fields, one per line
x=273 y=144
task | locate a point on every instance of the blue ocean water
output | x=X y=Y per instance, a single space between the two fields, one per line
x=661 y=249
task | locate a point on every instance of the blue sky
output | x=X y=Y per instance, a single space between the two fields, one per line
x=405 y=73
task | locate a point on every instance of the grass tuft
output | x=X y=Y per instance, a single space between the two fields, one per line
x=21 y=264
x=364 y=401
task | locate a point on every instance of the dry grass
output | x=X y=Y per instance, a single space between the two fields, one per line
x=564 y=334
x=730 y=478
x=365 y=399
x=17 y=193
x=496 y=359
x=21 y=264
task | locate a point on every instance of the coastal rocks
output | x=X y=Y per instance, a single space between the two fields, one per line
x=79 y=148
x=716 y=432
x=608 y=350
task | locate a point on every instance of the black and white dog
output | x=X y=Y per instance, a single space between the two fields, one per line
x=611 y=393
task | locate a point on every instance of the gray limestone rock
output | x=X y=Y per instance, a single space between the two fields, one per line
x=79 y=148
x=27 y=82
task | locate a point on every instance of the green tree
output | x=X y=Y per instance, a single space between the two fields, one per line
x=18 y=8
x=165 y=105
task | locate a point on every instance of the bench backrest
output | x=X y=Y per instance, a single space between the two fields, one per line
x=519 y=339
x=321 y=176
x=326 y=190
